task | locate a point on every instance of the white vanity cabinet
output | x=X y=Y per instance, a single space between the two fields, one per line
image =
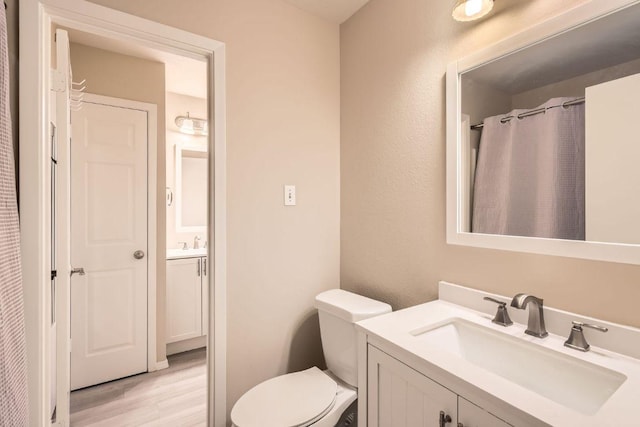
x=187 y=296
x=447 y=355
x=399 y=396
x=471 y=415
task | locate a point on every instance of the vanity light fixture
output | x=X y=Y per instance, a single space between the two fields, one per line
x=191 y=125
x=469 y=10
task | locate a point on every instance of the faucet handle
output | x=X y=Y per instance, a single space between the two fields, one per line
x=183 y=245
x=502 y=315
x=576 y=339
x=589 y=325
x=500 y=303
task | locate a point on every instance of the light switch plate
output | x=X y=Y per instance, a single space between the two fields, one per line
x=289 y=195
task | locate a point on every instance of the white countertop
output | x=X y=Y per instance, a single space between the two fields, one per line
x=186 y=253
x=621 y=409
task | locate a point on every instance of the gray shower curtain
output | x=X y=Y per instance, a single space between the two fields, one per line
x=13 y=372
x=530 y=174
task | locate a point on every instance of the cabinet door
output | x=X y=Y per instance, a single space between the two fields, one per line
x=471 y=415
x=399 y=396
x=184 y=299
x=205 y=295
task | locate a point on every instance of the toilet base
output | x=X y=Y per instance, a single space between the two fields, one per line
x=349 y=417
x=345 y=396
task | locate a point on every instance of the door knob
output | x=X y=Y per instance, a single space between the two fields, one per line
x=79 y=271
x=138 y=254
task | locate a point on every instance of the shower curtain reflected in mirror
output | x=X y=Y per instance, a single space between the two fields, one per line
x=530 y=173
x=13 y=371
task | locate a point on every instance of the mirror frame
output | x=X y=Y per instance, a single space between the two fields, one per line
x=180 y=147
x=455 y=173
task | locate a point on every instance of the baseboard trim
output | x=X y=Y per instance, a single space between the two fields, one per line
x=163 y=364
x=186 y=345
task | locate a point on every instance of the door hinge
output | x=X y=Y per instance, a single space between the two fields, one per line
x=58 y=81
x=54 y=274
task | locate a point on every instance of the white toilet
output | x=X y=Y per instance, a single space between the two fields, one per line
x=314 y=397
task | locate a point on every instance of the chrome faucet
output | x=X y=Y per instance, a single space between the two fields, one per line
x=535 y=325
x=196 y=242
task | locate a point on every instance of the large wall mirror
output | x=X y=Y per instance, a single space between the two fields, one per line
x=542 y=145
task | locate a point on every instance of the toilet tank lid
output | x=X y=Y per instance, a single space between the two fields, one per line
x=349 y=306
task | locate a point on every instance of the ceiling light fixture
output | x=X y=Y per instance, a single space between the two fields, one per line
x=469 y=10
x=191 y=125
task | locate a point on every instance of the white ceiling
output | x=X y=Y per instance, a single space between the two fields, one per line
x=336 y=11
x=183 y=75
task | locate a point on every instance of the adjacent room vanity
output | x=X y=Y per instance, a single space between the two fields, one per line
x=187 y=272
x=187 y=299
x=444 y=363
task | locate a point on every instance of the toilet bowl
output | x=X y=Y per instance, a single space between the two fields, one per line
x=305 y=398
x=313 y=397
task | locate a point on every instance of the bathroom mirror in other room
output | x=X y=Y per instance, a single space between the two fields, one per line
x=191 y=188
x=542 y=145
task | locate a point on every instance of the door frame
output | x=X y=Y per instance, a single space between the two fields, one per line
x=152 y=211
x=36 y=20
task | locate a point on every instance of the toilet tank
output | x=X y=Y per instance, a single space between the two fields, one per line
x=338 y=311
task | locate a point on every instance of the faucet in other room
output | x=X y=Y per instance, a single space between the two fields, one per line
x=196 y=242
x=535 y=325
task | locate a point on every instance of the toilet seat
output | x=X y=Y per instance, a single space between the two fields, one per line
x=292 y=400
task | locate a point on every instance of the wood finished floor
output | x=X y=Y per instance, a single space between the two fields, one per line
x=172 y=397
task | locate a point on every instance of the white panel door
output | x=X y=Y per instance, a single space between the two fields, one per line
x=184 y=299
x=399 y=396
x=108 y=225
x=612 y=150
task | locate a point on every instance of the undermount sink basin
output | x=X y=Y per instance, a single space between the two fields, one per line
x=569 y=381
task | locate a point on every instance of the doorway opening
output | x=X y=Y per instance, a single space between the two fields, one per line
x=123 y=31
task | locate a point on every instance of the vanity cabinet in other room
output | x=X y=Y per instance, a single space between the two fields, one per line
x=187 y=299
x=400 y=396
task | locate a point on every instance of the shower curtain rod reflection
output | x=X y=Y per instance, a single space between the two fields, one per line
x=505 y=119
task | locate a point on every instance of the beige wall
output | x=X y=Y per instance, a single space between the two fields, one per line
x=393 y=62
x=121 y=76
x=283 y=112
x=479 y=100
